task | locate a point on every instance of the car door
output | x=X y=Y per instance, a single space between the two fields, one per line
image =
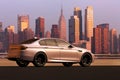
x=67 y=53
x=51 y=49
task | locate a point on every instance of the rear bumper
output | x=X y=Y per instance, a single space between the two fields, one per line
x=12 y=59
x=24 y=55
x=13 y=55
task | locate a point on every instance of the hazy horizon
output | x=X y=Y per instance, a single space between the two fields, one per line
x=105 y=11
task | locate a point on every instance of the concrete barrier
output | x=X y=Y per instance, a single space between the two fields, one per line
x=3 y=55
x=97 y=56
x=107 y=56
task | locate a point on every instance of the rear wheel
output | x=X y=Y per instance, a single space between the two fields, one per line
x=39 y=60
x=86 y=60
x=22 y=63
x=67 y=64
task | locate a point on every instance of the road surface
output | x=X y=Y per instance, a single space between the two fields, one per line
x=97 y=62
x=60 y=72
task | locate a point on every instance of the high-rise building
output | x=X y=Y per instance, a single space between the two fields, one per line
x=2 y=36
x=113 y=41
x=1 y=47
x=9 y=36
x=23 y=22
x=47 y=34
x=11 y=28
x=39 y=30
x=1 y=27
x=89 y=23
x=16 y=38
x=78 y=13
x=74 y=29
x=55 y=31
x=28 y=34
x=62 y=26
x=119 y=44
x=100 y=41
x=96 y=41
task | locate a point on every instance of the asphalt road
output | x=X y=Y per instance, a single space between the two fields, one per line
x=97 y=62
x=12 y=72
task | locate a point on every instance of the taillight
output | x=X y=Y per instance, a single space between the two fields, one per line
x=23 y=47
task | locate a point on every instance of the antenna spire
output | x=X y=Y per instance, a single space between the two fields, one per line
x=61 y=9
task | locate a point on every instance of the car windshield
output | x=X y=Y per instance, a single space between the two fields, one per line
x=29 y=41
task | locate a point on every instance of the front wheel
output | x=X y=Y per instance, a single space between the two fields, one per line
x=86 y=60
x=22 y=63
x=67 y=64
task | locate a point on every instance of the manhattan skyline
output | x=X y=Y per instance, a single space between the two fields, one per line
x=104 y=11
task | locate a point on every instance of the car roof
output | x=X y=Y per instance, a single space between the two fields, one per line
x=39 y=39
x=51 y=38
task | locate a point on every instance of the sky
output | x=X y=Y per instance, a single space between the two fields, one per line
x=105 y=11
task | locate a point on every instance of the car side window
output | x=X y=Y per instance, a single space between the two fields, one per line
x=50 y=42
x=42 y=42
x=62 y=43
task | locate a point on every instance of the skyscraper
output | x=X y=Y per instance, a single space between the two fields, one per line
x=113 y=41
x=16 y=38
x=62 y=26
x=1 y=32
x=74 y=29
x=96 y=41
x=119 y=44
x=2 y=37
x=47 y=34
x=101 y=39
x=9 y=36
x=11 y=28
x=78 y=13
x=1 y=27
x=55 y=31
x=23 y=22
x=28 y=34
x=89 y=23
x=39 y=30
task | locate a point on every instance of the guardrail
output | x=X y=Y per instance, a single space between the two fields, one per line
x=107 y=56
x=3 y=55
x=97 y=56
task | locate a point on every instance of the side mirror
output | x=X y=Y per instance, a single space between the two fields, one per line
x=70 y=46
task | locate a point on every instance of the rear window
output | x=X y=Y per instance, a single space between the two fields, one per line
x=42 y=42
x=48 y=42
x=29 y=41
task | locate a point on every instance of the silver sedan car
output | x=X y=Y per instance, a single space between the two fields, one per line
x=45 y=50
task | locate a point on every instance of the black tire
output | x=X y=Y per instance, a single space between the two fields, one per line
x=86 y=60
x=67 y=64
x=39 y=60
x=22 y=63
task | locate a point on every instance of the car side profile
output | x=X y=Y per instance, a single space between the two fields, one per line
x=49 y=50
